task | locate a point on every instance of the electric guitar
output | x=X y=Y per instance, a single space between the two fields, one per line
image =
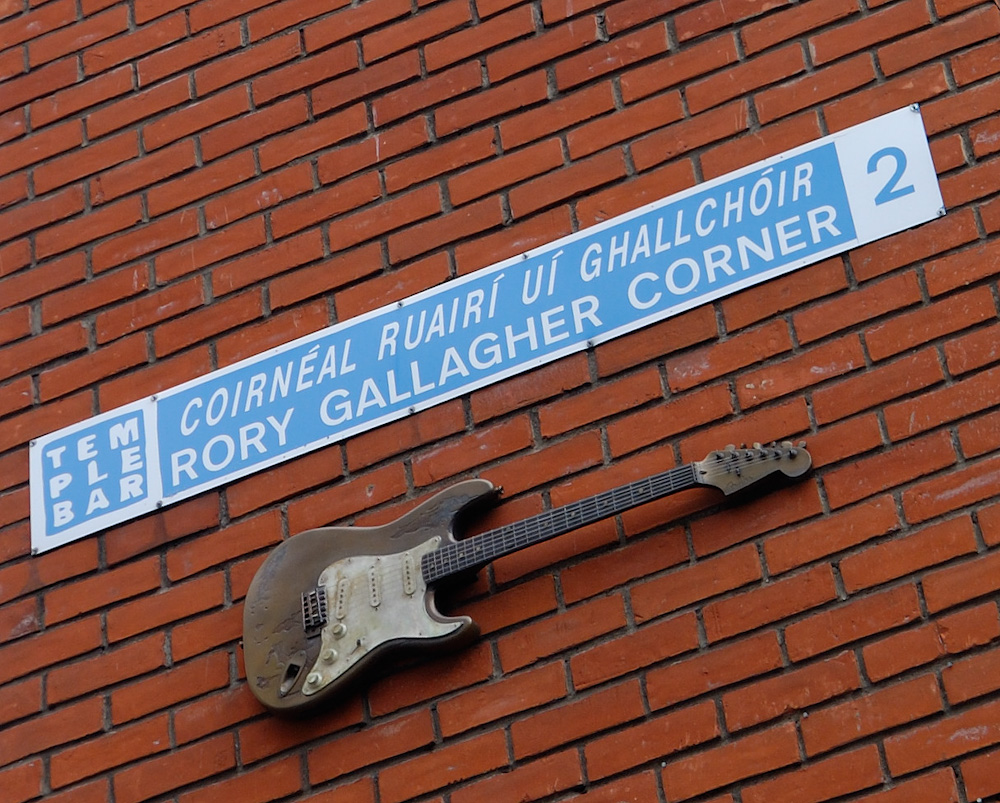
x=330 y=604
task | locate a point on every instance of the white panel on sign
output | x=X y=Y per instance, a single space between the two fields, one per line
x=740 y=229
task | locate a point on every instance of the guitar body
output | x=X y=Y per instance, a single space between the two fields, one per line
x=330 y=605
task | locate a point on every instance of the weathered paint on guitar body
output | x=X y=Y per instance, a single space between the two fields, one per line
x=369 y=569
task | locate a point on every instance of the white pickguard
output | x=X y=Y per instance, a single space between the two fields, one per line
x=372 y=600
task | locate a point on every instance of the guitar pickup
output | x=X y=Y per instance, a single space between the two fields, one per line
x=314 y=611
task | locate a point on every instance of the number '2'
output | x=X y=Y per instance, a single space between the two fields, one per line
x=890 y=192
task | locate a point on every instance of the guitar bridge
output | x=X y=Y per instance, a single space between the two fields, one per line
x=314 y=611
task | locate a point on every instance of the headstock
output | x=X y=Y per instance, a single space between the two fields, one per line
x=732 y=469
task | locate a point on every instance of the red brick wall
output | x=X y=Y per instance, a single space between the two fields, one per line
x=187 y=184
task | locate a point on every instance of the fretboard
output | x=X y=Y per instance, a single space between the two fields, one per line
x=479 y=550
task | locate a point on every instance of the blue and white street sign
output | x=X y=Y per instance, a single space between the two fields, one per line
x=710 y=241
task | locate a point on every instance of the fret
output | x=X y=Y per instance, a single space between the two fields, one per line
x=479 y=550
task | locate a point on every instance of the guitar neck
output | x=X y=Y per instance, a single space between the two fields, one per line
x=479 y=550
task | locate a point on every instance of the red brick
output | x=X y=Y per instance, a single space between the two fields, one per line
x=88 y=296
x=379 y=290
x=214 y=712
x=845 y=773
x=118 y=50
x=264 y=783
x=555 y=115
x=177 y=768
x=963 y=732
x=508 y=696
x=206 y=633
x=545 y=47
x=794 y=690
x=303 y=73
x=580 y=177
x=700 y=20
x=207 y=322
x=463 y=222
x=481 y=106
x=887 y=469
x=107 y=220
x=155 y=610
x=980 y=774
x=42 y=280
x=638 y=558
x=584 y=715
x=447 y=765
x=934 y=787
x=746 y=77
x=487 y=35
x=421 y=27
x=344 y=499
x=911 y=87
x=519 y=392
x=811 y=366
x=343 y=24
x=947 y=112
x=866 y=303
x=630 y=122
x=274 y=331
x=43 y=212
x=208 y=551
x=180 y=57
x=219 y=175
x=108 y=667
x=110 y=751
x=946 y=36
x=65 y=724
x=371 y=81
x=892 y=559
x=332 y=202
x=38 y=83
x=789 y=23
x=51 y=345
x=490 y=443
x=102 y=589
x=257 y=196
x=654 y=738
x=23 y=781
x=651 y=185
x=229 y=241
x=689 y=584
x=718 y=124
x=612 y=56
x=868 y=30
x=646 y=646
x=961 y=582
x=669 y=419
x=138 y=106
x=875 y=387
x=141 y=240
x=149 y=308
x=974 y=393
x=552 y=635
x=454 y=153
x=722 y=765
x=431 y=679
x=853 y=620
x=166 y=525
x=976 y=63
x=19 y=619
x=831 y=534
x=181 y=682
x=322 y=133
x=768 y=604
x=248 y=61
x=18 y=430
x=253 y=127
x=80 y=96
x=702 y=365
x=540 y=778
x=716 y=668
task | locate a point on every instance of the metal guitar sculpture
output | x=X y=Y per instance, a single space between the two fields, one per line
x=329 y=604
